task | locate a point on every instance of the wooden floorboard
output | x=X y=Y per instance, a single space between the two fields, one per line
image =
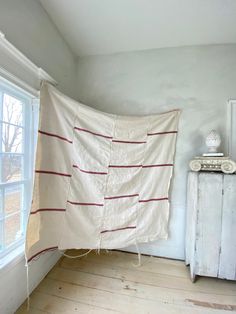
x=110 y=283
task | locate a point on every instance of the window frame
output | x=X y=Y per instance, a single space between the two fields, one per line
x=30 y=116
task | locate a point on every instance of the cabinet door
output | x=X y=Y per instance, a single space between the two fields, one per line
x=208 y=234
x=227 y=267
x=191 y=217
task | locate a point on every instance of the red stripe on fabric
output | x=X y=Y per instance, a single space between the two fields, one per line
x=90 y=172
x=97 y=134
x=118 y=229
x=128 y=142
x=120 y=196
x=53 y=172
x=40 y=252
x=55 y=135
x=160 y=165
x=85 y=204
x=48 y=209
x=120 y=166
x=141 y=166
x=154 y=200
x=162 y=133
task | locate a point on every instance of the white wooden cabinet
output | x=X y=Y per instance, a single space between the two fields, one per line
x=211 y=225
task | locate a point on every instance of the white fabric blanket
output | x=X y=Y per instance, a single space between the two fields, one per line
x=101 y=180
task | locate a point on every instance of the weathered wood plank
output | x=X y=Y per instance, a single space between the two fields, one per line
x=227 y=267
x=209 y=224
x=98 y=285
x=135 y=289
x=111 y=270
x=47 y=303
x=114 y=301
x=227 y=307
x=23 y=310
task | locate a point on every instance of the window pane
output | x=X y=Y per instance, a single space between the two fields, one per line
x=1 y=204
x=1 y=222
x=1 y=235
x=12 y=110
x=15 y=161
x=12 y=229
x=12 y=168
x=13 y=197
x=12 y=138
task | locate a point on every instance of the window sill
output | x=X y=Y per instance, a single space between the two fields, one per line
x=13 y=258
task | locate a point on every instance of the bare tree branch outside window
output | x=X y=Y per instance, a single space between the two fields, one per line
x=11 y=139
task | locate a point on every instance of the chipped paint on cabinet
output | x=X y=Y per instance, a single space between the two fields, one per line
x=210 y=224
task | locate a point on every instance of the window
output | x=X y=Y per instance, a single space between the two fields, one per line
x=16 y=165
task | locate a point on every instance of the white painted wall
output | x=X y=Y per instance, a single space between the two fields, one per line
x=27 y=26
x=13 y=284
x=199 y=80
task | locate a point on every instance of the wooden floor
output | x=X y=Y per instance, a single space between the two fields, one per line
x=110 y=283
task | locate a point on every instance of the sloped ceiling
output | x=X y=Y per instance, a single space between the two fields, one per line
x=93 y=27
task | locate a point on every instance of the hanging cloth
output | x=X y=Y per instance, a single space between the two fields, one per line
x=101 y=180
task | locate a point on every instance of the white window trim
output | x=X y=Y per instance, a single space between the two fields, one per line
x=17 y=69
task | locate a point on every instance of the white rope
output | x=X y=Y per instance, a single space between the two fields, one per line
x=77 y=256
x=139 y=255
x=27 y=286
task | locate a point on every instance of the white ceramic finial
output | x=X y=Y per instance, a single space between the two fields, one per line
x=213 y=141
